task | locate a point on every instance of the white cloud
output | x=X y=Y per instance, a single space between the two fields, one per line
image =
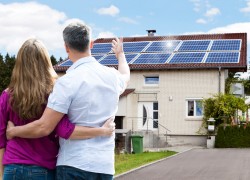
x=194 y=32
x=20 y=21
x=204 y=8
x=106 y=34
x=243 y=27
x=212 y=12
x=112 y=11
x=127 y=20
x=201 y=21
x=233 y=28
x=139 y=35
x=246 y=9
x=197 y=5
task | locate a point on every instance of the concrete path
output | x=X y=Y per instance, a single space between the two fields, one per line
x=197 y=164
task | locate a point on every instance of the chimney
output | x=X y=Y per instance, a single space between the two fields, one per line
x=151 y=32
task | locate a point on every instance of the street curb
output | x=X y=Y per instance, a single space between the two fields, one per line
x=135 y=169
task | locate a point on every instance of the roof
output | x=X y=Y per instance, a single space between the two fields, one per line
x=127 y=92
x=240 y=65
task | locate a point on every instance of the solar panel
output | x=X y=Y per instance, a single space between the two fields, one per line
x=188 y=57
x=130 y=47
x=101 y=48
x=111 y=59
x=223 y=57
x=201 y=45
x=97 y=57
x=69 y=62
x=152 y=58
x=230 y=45
x=66 y=63
x=162 y=46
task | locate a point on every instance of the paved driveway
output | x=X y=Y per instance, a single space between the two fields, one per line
x=197 y=164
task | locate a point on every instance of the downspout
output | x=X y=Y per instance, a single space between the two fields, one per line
x=219 y=89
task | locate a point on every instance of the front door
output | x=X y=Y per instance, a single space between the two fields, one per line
x=147 y=119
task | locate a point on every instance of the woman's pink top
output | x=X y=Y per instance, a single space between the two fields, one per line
x=41 y=151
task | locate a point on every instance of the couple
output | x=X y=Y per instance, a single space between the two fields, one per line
x=88 y=94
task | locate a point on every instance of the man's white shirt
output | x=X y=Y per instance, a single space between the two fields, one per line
x=89 y=93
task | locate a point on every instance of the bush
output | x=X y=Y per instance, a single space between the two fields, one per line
x=232 y=137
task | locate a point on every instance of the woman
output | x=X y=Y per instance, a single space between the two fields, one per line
x=24 y=101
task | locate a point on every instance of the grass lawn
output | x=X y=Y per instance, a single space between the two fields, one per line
x=126 y=162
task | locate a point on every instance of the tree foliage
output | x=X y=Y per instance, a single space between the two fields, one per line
x=53 y=60
x=246 y=84
x=6 y=66
x=229 y=82
x=60 y=59
x=222 y=107
x=233 y=137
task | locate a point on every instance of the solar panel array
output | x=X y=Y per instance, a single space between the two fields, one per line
x=170 y=51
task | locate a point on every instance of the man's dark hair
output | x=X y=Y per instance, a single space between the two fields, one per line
x=77 y=36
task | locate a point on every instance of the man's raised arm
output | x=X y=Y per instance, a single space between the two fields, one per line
x=123 y=68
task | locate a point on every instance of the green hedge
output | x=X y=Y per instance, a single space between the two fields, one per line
x=232 y=137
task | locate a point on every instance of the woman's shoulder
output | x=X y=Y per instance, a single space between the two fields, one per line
x=5 y=94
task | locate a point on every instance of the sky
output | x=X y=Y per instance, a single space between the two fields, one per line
x=46 y=19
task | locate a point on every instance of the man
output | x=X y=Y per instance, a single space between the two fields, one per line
x=88 y=93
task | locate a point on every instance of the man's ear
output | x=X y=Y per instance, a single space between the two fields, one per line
x=66 y=48
x=91 y=44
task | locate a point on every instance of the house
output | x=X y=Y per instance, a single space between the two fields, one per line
x=170 y=76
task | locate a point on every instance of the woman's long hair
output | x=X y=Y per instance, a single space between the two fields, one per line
x=32 y=80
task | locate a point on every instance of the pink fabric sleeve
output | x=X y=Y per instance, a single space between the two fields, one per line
x=3 y=118
x=64 y=128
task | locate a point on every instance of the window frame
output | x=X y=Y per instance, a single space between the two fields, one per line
x=151 y=84
x=155 y=120
x=195 y=108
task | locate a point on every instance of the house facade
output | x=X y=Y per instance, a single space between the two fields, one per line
x=163 y=101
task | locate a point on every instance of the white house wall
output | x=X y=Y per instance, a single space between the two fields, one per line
x=122 y=107
x=178 y=85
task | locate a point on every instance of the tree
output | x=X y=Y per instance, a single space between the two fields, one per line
x=229 y=82
x=60 y=59
x=246 y=84
x=53 y=60
x=222 y=107
x=6 y=67
x=2 y=73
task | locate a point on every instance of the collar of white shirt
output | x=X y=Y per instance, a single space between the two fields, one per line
x=80 y=62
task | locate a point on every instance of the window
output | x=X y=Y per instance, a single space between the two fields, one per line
x=152 y=80
x=155 y=115
x=144 y=115
x=194 y=108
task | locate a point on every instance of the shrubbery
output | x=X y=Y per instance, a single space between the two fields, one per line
x=233 y=137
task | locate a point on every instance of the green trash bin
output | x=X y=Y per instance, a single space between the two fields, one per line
x=137 y=142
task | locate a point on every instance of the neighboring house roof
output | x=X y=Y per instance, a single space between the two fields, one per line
x=240 y=64
x=127 y=92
